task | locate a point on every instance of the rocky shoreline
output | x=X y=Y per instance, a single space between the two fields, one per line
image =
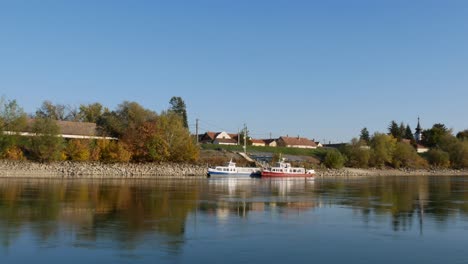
x=352 y=172
x=66 y=169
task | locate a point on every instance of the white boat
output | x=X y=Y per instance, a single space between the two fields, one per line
x=230 y=170
x=284 y=169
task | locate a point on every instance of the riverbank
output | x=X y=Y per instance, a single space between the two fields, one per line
x=66 y=169
x=352 y=172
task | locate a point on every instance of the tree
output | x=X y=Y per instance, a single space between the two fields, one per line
x=408 y=133
x=91 y=112
x=463 y=135
x=438 y=158
x=365 y=135
x=431 y=137
x=406 y=156
x=180 y=144
x=394 y=130
x=382 y=148
x=334 y=159
x=127 y=117
x=12 y=119
x=78 y=150
x=51 y=111
x=357 y=154
x=47 y=145
x=178 y=107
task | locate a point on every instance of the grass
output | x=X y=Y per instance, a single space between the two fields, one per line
x=317 y=153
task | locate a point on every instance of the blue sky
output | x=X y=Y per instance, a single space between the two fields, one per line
x=318 y=69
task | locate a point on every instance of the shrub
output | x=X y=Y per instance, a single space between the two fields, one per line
x=78 y=150
x=438 y=158
x=334 y=159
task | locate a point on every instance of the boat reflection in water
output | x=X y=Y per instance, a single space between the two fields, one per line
x=238 y=197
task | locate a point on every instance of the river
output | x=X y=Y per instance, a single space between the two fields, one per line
x=359 y=220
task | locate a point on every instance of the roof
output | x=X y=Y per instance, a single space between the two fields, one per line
x=211 y=135
x=71 y=128
x=298 y=141
x=226 y=140
x=258 y=141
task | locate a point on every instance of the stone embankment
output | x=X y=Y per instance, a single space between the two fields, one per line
x=91 y=170
x=351 y=172
x=24 y=169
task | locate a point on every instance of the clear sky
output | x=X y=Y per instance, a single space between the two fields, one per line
x=318 y=69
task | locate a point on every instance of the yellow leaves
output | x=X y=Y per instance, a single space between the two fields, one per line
x=14 y=153
x=78 y=150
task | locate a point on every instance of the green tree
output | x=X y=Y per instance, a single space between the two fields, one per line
x=365 y=135
x=394 y=130
x=91 y=112
x=431 y=137
x=178 y=107
x=405 y=155
x=12 y=119
x=409 y=133
x=127 y=117
x=180 y=144
x=51 y=111
x=47 y=145
x=357 y=154
x=438 y=158
x=334 y=159
x=382 y=148
x=457 y=149
x=463 y=135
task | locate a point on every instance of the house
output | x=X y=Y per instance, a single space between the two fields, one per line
x=296 y=142
x=264 y=142
x=220 y=138
x=421 y=149
x=270 y=142
x=258 y=142
x=68 y=130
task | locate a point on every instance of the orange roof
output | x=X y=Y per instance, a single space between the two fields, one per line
x=298 y=141
x=258 y=141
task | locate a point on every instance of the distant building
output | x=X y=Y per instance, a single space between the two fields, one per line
x=296 y=142
x=264 y=142
x=418 y=133
x=334 y=145
x=418 y=137
x=220 y=138
x=258 y=142
x=68 y=130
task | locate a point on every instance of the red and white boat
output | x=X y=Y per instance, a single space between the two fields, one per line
x=284 y=169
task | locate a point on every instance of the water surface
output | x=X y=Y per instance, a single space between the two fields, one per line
x=363 y=220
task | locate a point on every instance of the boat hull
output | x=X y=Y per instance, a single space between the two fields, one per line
x=220 y=174
x=269 y=174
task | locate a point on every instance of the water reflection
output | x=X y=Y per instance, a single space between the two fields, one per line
x=129 y=213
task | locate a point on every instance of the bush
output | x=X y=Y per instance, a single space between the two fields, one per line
x=115 y=152
x=78 y=150
x=46 y=145
x=357 y=154
x=13 y=153
x=406 y=156
x=334 y=159
x=382 y=148
x=438 y=158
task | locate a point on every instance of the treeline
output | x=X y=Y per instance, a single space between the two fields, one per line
x=398 y=149
x=139 y=134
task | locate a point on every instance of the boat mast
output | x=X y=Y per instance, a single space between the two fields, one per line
x=245 y=139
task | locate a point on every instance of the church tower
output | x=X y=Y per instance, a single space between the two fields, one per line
x=418 y=134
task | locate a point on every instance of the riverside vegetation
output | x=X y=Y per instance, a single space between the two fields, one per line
x=145 y=136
